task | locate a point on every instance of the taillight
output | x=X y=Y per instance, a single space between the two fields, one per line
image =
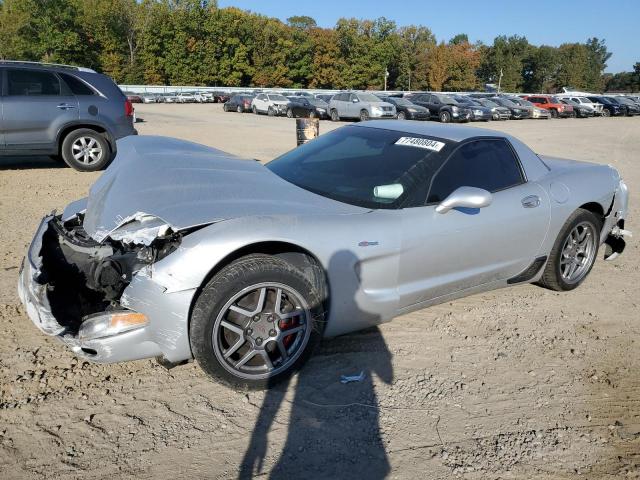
x=128 y=108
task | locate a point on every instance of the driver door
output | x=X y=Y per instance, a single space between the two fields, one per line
x=445 y=253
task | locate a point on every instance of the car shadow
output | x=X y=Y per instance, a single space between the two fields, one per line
x=28 y=162
x=333 y=429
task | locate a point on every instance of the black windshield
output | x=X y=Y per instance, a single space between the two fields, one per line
x=365 y=166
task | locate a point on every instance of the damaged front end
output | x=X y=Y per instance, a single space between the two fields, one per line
x=613 y=231
x=74 y=287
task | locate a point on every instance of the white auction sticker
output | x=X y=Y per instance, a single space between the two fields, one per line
x=421 y=143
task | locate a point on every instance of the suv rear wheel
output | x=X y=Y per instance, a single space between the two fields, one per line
x=85 y=150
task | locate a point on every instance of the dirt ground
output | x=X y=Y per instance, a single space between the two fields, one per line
x=517 y=383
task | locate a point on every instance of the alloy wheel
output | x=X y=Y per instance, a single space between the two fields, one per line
x=87 y=150
x=578 y=252
x=261 y=330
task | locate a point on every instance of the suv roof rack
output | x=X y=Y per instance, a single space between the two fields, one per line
x=45 y=64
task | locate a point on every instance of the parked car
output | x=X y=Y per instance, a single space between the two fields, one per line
x=517 y=112
x=579 y=111
x=498 y=112
x=185 y=97
x=238 y=103
x=149 y=98
x=597 y=108
x=303 y=106
x=270 y=103
x=442 y=107
x=610 y=108
x=551 y=103
x=70 y=113
x=360 y=105
x=220 y=97
x=170 y=98
x=180 y=266
x=534 y=112
x=407 y=110
x=134 y=97
x=632 y=108
x=478 y=112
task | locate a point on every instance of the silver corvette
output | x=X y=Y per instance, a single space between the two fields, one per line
x=182 y=251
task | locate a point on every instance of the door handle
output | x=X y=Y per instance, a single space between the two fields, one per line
x=532 y=201
x=65 y=106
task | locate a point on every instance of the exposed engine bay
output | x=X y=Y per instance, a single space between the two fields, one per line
x=84 y=276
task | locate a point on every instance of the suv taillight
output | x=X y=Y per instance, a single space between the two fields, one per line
x=128 y=108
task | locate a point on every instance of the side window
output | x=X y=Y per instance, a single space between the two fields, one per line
x=77 y=87
x=32 y=83
x=353 y=97
x=489 y=164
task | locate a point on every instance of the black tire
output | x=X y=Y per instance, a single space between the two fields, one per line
x=239 y=109
x=554 y=113
x=334 y=116
x=225 y=108
x=312 y=114
x=364 y=115
x=248 y=271
x=289 y=113
x=606 y=113
x=271 y=112
x=552 y=275
x=445 y=116
x=402 y=116
x=69 y=146
x=254 y=110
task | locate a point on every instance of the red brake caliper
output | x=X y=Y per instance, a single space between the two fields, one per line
x=284 y=326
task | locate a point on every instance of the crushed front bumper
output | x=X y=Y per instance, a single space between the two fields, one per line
x=165 y=335
x=613 y=231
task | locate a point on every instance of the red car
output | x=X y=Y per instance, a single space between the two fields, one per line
x=553 y=104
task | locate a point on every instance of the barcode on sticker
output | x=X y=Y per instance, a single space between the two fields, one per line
x=421 y=143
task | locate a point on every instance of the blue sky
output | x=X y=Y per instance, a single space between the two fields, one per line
x=543 y=22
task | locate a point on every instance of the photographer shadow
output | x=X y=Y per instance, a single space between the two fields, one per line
x=333 y=430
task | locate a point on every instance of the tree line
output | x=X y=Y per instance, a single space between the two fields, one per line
x=194 y=42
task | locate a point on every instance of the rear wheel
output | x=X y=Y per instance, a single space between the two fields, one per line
x=554 y=113
x=606 y=113
x=254 y=110
x=402 y=116
x=225 y=108
x=445 y=117
x=256 y=322
x=239 y=109
x=86 y=150
x=289 y=113
x=574 y=252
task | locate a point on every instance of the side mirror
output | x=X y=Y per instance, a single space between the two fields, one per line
x=355 y=100
x=467 y=197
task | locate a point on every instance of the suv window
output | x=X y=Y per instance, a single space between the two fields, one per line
x=76 y=86
x=489 y=164
x=32 y=82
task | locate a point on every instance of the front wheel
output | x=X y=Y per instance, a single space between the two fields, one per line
x=606 y=113
x=402 y=116
x=225 y=108
x=85 y=150
x=364 y=115
x=334 y=116
x=256 y=322
x=254 y=110
x=271 y=112
x=289 y=113
x=574 y=252
x=554 y=113
x=239 y=109
x=445 y=117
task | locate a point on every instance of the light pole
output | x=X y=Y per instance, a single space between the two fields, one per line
x=499 y=80
x=386 y=74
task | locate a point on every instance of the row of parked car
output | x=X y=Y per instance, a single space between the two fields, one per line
x=433 y=106
x=179 y=97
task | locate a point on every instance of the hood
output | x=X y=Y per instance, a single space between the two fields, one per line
x=160 y=181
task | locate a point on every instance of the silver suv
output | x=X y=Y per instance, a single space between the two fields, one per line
x=363 y=106
x=70 y=113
